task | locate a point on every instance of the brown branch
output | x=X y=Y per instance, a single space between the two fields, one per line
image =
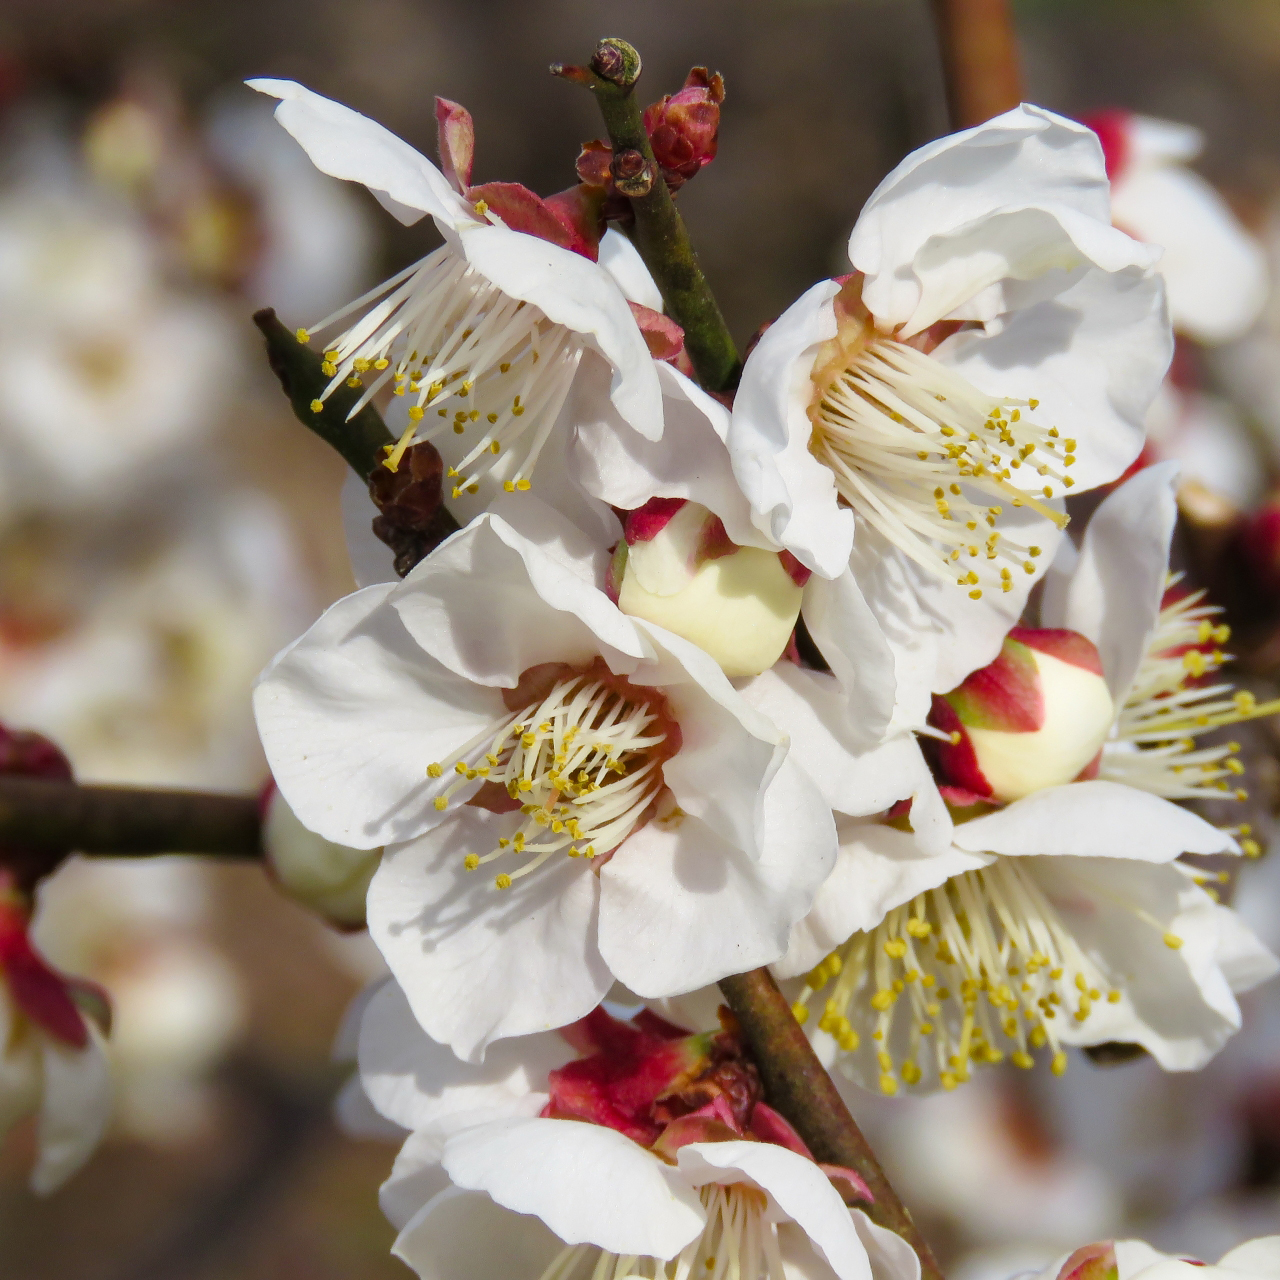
x=660 y=233
x=979 y=50
x=796 y=1085
x=42 y=820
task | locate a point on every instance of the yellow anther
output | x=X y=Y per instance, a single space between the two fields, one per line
x=471 y=861
x=303 y=336
x=1059 y=1064
x=800 y=1012
x=1172 y=941
x=502 y=881
x=441 y=802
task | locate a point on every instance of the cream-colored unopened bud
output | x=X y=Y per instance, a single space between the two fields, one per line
x=329 y=878
x=740 y=604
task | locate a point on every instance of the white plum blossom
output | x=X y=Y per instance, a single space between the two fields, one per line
x=1215 y=272
x=497 y=710
x=485 y=337
x=997 y=345
x=718 y=1201
x=1061 y=919
x=1129 y=1259
x=1158 y=646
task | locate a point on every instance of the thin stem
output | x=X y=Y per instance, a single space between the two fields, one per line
x=660 y=233
x=42 y=820
x=979 y=50
x=362 y=440
x=796 y=1085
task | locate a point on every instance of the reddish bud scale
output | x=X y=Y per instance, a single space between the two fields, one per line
x=684 y=127
x=1260 y=541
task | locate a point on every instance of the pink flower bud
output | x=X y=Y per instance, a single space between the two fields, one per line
x=684 y=128
x=682 y=572
x=1036 y=717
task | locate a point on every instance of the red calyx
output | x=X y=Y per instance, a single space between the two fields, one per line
x=571 y=219
x=684 y=127
x=42 y=993
x=795 y=570
x=642 y=1077
x=1112 y=128
x=645 y=523
x=1067 y=646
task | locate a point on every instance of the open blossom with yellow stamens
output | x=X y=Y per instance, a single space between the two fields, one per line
x=565 y=793
x=656 y=1157
x=1161 y=646
x=1062 y=919
x=481 y=341
x=916 y=426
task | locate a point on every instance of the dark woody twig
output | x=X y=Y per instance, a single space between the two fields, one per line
x=41 y=819
x=796 y=1085
x=979 y=49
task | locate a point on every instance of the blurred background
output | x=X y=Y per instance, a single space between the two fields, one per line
x=166 y=526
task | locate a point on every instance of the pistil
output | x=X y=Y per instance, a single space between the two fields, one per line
x=470 y=358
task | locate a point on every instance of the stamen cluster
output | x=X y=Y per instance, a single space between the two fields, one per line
x=470 y=355
x=984 y=966
x=1171 y=705
x=913 y=445
x=583 y=765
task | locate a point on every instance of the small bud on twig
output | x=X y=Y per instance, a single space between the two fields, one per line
x=633 y=175
x=617 y=62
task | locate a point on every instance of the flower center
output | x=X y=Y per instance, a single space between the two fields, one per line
x=739 y=1242
x=1154 y=744
x=474 y=359
x=583 y=764
x=914 y=448
x=980 y=962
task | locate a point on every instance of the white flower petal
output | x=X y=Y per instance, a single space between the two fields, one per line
x=729 y=751
x=372 y=561
x=854 y=643
x=420 y=1084
x=495 y=600
x=1215 y=272
x=353 y=712
x=1176 y=1003
x=416 y=1178
x=621 y=468
x=834 y=739
x=797 y=1187
x=1093 y=356
x=680 y=908
x=74 y=1109
x=478 y=963
x=579 y=294
x=347 y=145
x=792 y=495
x=1093 y=819
x=892 y=1258
x=1112 y=593
x=1012 y=199
x=462 y=1235
x=592 y=1185
x=1259 y=1257
x=877 y=868
x=622 y=260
